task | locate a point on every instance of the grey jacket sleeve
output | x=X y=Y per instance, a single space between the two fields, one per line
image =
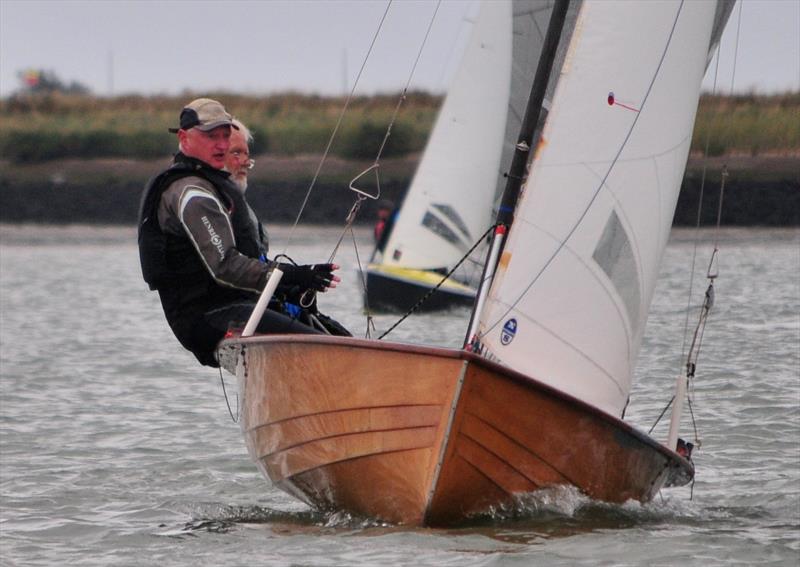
x=190 y=206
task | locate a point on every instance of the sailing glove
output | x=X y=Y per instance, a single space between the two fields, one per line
x=310 y=276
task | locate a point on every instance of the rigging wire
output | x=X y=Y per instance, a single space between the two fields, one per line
x=336 y=128
x=696 y=239
x=308 y=297
x=433 y=290
x=712 y=271
x=362 y=196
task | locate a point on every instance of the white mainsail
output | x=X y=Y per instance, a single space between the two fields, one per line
x=449 y=203
x=570 y=298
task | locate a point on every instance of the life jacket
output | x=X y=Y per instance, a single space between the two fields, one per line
x=170 y=262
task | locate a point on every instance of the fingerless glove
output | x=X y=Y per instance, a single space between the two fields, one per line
x=317 y=277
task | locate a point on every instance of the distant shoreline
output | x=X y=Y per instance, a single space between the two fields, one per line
x=36 y=234
x=760 y=190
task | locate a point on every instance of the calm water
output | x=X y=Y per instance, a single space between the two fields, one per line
x=116 y=448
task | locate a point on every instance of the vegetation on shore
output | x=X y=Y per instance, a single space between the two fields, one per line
x=42 y=127
x=749 y=125
x=74 y=158
x=54 y=126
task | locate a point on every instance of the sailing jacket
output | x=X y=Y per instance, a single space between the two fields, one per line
x=200 y=245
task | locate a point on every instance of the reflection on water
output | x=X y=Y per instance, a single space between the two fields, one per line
x=115 y=444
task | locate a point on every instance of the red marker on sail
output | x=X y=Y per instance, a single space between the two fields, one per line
x=612 y=101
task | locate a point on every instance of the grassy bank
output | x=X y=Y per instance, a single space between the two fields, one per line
x=36 y=129
x=81 y=159
x=748 y=125
x=41 y=128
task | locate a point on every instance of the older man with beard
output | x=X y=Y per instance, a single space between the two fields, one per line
x=238 y=164
x=238 y=161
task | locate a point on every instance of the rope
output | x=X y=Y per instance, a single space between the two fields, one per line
x=433 y=290
x=363 y=278
x=227 y=402
x=336 y=128
x=361 y=196
x=712 y=271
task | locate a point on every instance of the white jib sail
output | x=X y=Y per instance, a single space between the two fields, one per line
x=449 y=202
x=574 y=284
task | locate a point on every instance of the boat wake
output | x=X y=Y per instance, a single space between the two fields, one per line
x=551 y=512
x=564 y=507
x=219 y=518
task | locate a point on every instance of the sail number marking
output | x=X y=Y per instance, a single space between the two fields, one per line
x=509 y=332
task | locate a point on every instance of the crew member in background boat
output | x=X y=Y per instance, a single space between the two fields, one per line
x=383 y=226
x=384 y=211
x=199 y=247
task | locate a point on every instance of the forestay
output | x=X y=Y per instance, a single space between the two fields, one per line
x=570 y=299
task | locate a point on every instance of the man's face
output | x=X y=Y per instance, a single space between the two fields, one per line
x=210 y=147
x=237 y=161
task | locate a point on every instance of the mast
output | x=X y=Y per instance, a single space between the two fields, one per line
x=519 y=162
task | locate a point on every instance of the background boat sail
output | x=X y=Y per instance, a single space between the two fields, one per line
x=450 y=201
x=431 y=436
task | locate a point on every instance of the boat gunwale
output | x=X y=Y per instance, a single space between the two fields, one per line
x=470 y=357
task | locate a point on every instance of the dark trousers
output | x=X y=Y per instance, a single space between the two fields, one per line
x=200 y=333
x=271 y=322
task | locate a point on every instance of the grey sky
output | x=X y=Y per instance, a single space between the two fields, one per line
x=267 y=46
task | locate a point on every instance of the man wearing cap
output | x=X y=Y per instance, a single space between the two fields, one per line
x=199 y=247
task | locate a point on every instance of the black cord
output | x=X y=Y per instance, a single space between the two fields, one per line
x=433 y=290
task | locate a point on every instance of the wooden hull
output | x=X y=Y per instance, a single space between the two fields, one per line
x=391 y=289
x=427 y=436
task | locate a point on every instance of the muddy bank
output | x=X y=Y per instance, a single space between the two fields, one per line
x=759 y=191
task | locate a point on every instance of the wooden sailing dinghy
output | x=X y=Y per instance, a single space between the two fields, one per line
x=428 y=436
x=431 y=436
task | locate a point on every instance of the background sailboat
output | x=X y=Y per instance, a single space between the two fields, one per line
x=423 y=435
x=449 y=203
